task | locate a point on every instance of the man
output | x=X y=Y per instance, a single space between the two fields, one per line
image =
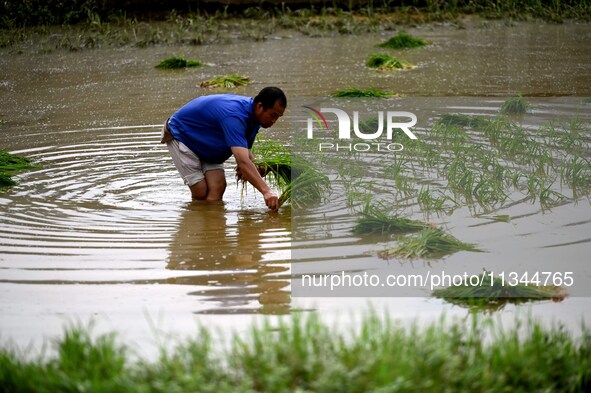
x=208 y=130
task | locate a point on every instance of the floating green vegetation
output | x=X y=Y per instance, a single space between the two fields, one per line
x=515 y=106
x=586 y=100
x=379 y=354
x=376 y=220
x=489 y=292
x=354 y=92
x=301 y=184
x=386 y=62
x=227 y=81
x=178 y=62
x=428 y=243
x=464 y=120
x=403 y=40
x=10 y=164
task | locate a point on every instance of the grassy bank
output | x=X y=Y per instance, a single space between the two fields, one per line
x=305 y=355
x=87 y=24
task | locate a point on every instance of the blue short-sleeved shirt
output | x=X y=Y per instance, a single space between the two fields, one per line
x=210 y=125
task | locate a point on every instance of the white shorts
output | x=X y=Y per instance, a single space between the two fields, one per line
x=191 y=168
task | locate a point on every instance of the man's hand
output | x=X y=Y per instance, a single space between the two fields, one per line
x=271 y=200
x=247 y=170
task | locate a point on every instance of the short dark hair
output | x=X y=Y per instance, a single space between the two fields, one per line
x=269 y=95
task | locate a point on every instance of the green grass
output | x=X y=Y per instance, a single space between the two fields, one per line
x=354 y=92
x=172 y=63
x=386 y=62
x=428 y=243
x=227 y=81
x=491 y=294
x=403 y=40
x=301 y=183
x=376 y=220
x=304 y=354
x=459 y=119
x=10 y=164
x=515 y=106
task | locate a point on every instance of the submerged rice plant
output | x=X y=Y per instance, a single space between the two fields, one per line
x=386 y=62
x=376 y=220
x=354 y=92
x=177 y=62
x=10 y=164
x=403 y=40
x=429 y=243
x=515 y=106
x=227 y=81
x=492 y=292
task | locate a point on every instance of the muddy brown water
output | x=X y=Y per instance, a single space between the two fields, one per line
x=105 y=229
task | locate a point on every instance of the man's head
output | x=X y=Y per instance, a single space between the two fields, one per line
x=269 y=106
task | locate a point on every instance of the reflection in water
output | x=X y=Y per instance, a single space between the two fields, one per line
x=242 y=257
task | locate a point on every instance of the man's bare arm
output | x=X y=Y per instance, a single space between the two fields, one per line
x=250 y=173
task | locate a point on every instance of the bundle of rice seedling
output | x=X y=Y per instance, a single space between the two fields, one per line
x=429 y=243
x=300 y=182
x=494 y=293
x=374 y=220
x=464 y=120
x=9 y=165
x=386 y=62
x=403 y=40
x=228 y=81
x=177 y=63
x=515 y=106
x=354 y=92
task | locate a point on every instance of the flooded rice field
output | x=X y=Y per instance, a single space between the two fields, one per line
x=105 y=229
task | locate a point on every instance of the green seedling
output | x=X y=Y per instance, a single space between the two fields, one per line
x=403 y=40
x=174 y=62
x=354 y=92
x=515 y=106
x=386 y=62
x=227 y=81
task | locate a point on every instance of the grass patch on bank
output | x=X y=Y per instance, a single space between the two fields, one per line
x=227 y=81
x=385 y=62
x=11 y=164
x=304 y=354
x=175 y=63
x=428 y=243
x=515 y=106
x=355 y=92
x=492 y=293
x=403 y=40
x=374 y=220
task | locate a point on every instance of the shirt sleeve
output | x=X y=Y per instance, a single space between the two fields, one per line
x=234 y=132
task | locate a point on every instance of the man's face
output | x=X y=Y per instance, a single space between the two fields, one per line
x=267 y=117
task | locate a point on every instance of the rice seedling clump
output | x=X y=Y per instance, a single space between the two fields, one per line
x=386 y=62
x=301 y=184
x=493 y=293
x=464 y=120
x=429 y=243
x=515 y=106
x=10 y=164
x=227 y=81
x=375 y=220
x=174 y=62
x=403 y=40
x=354 y=92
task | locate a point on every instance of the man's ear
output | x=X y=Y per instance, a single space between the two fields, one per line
x=258 y=107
